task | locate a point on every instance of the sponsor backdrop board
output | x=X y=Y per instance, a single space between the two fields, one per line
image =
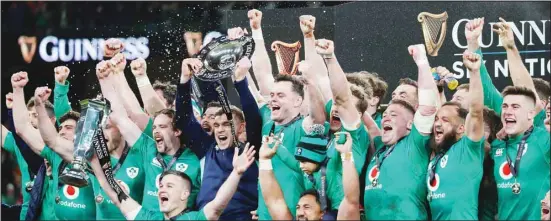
x=370 y=36
x=374 y=36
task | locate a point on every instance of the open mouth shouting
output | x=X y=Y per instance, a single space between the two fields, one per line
x=387 y=128
x=163 y=198
x=159 y=139
x=510 y=122
x=438 y=133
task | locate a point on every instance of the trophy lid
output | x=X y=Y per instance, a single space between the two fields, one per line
x=221 y=55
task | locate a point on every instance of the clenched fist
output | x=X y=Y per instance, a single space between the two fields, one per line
x=242 y=68
x=103 y=69
x=505 y=34
x=189 y=66
x=118 y=63
x=325 y=48
x=255 y=17
x=61 y=74
x=9 y=100
x=473 y=29
x=42 y=94
x=19 y=79
x=138 y=67
x=112 y=47
x=307 y=25
x=418 y=53
x=471 y=61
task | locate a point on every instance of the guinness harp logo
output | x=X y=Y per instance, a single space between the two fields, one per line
x=28 y=47
x=434 y=30
x=287 y=56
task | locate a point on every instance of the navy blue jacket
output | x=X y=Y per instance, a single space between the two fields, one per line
x=218 y=163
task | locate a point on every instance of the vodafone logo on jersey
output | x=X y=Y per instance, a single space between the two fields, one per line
x=374 y=173
x=505 y=171
x=433 y=184
x=71 y=192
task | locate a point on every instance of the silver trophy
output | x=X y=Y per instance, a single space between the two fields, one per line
x=221 y=55
x=92 y=114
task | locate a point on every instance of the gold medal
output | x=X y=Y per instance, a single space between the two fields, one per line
x=99 y=199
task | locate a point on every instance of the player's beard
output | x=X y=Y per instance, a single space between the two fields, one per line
x=447 y=141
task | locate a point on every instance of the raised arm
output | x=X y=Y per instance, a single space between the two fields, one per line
x=271 y=191
x=474 y=130
x=130 y=101
x=34 y=161
x=152 y=103
x=129 y=207
x=22 y=121
x=185 y=120
x=350 y=204
x=47 y=129
x=492 y=97
x=253 y=121
x=519 y=73
x=262 y=67
x=307 y=25
x=427 y=92
x=130 y=131
x=61 y=100
x=342 y=96
x=241 y=163
x=316 y=103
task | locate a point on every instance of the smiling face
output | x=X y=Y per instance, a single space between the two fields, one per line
x=517 y=114
x=112 y=135
x=222 y=130
x=67 y=129
x=448 y=126
x=407 y=93
x=207 y=122
x=284 y=102
x=395 y=123
x=308 y=208
x=165 y=135
x=173 y=194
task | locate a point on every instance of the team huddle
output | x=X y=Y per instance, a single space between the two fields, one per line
x=311 y=146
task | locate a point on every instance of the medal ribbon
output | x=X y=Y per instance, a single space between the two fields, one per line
x=515 y=168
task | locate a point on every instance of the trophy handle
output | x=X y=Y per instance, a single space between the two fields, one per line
x=432 y=25
x=287 y=56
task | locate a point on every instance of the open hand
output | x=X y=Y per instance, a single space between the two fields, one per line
x=235 y=33
x=503 y=29
x=242 y=162
x=190 y=66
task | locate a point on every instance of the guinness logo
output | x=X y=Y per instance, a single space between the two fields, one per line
x=28 y=47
